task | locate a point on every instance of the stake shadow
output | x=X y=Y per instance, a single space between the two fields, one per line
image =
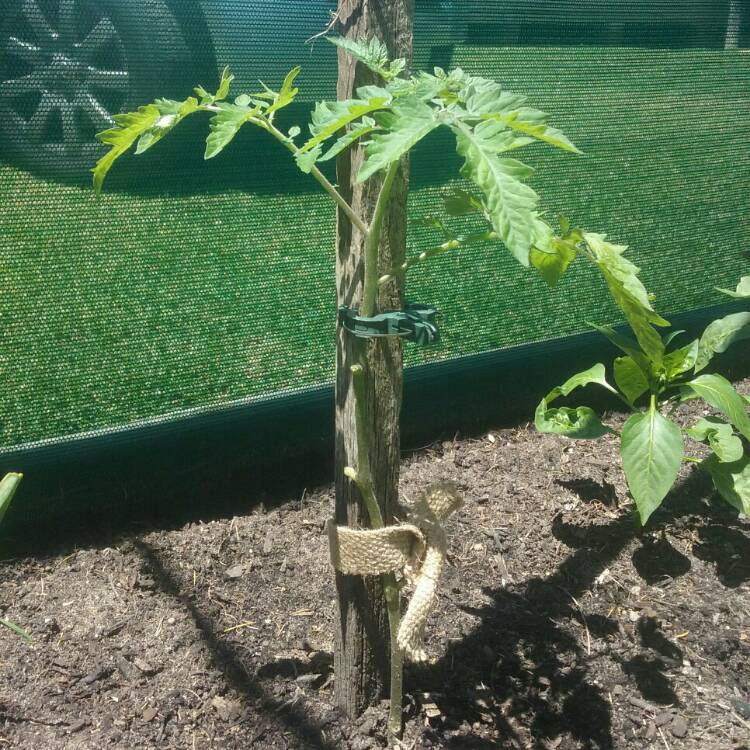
x=227 y=658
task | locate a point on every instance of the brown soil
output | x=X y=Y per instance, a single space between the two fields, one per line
x=559 y=624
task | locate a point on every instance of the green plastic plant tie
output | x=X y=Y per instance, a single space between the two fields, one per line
x=417 y=323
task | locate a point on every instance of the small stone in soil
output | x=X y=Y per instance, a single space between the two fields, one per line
x=679 y=727
x=150 y=714
x=235 y=571
x=227 y=710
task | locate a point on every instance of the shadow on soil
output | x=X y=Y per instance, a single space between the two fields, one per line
x=228 y=660
x=535 y=671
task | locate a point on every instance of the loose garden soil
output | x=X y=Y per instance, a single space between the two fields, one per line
x=559 y=624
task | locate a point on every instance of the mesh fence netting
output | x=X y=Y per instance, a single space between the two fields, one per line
x=188 y=284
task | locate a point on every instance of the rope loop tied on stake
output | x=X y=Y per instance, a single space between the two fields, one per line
x=416 y=548
x=415 y=323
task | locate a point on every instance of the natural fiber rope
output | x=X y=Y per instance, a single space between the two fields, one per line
x=416 y=548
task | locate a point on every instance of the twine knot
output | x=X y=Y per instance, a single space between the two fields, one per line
x=416 y=548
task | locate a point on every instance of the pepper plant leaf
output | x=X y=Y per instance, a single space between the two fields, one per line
x=629 y=293
x=624 y=344
x=8 y=487
x=741 y=292
x=720 y=436
x=732 y=480
x=510 y=204
x=720 y=393
x=408 y=121
x=681 y=360
x=720 y=335
x=651 y=450
x=629 y=378
x=580 y=422
x=595 y=374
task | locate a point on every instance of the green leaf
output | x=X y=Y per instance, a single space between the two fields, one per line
x=294 y=131
x=128 y=128
x=681 y=360
x=580 y=423
x=16 y=629
x=225 y=124
x=287 y=93
x=720 y=436
x=720 y=393
x=510 y=204
x=373 y=54
x=366 y=126
x=651 y=451
x=8 y=487
x=461 y=203
x=221 y=93
x=595 y=374
x=742 y=291
x=732 y=481
x=409 y=120
x=630 y=379
x=720 y=335
x=553 y=261
x=330 y=117
x=629 y=293
x=624 y=344
x=482 y=96
x=306 y=159
x=532 y=122
x=172 y=114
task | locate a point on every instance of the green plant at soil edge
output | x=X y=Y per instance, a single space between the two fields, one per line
x=652 y=377
x=8 y=486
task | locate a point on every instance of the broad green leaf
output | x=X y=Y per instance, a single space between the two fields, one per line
x=294 y=131
x=741 y=292
x=553 y=260
x=409 y=120
x=624 y=344
x=651 y=451
x=128 y=128
x=367 y=125
x=287 y=92
x=510 y=204
x=221 y=93
x=720 y=393
x=580 y=423
x=461 y=203
x=732 y=481
x=671 y=336
x=225 y=124
x=594 y=374
x=373 y=54
x=8 y=487
x=630 y=379
x=172 y=114
x=15 y=629
x=720 y=436
x=330 y=117
x=629 y=293
x=533 y=123
x=681 y=360
x=720 y=335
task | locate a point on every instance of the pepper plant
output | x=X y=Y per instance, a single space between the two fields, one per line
x=8 y=486
x=652 y=377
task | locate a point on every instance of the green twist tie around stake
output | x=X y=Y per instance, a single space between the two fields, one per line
x=416 y=323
